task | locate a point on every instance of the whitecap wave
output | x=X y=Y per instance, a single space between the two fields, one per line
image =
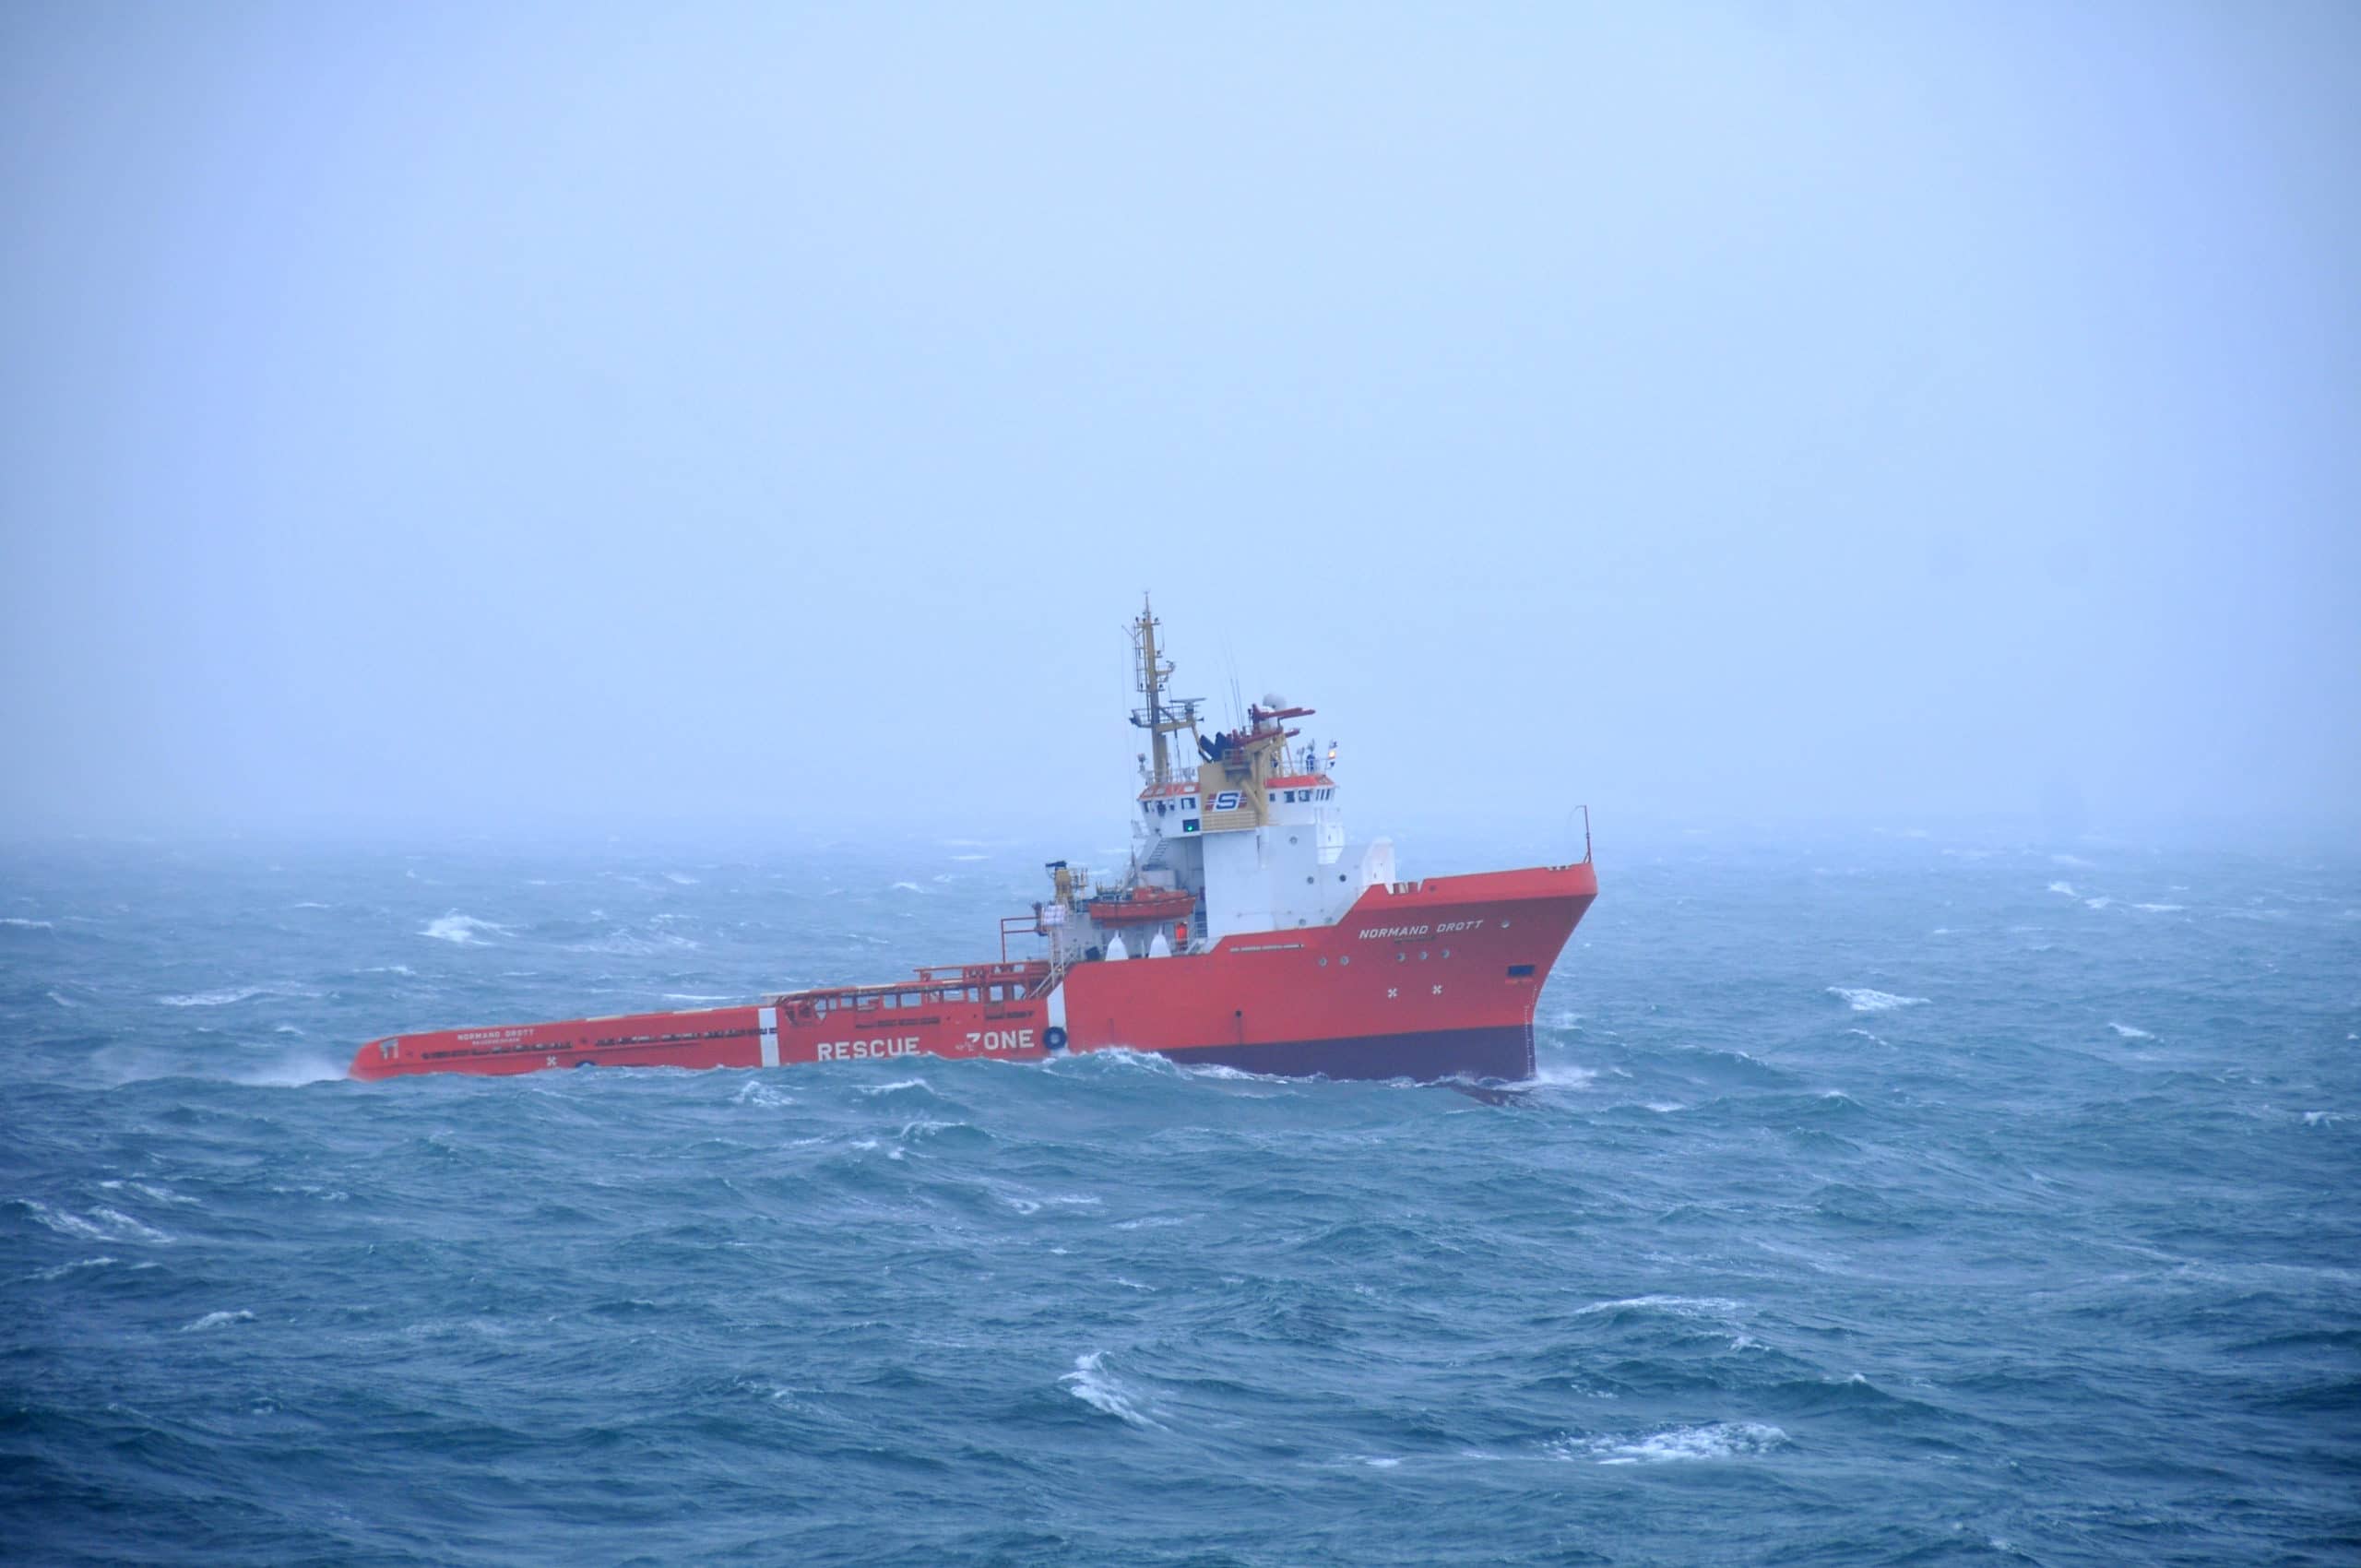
x=1091 y=1382
x=466 y=931
x=1861 y=999
x=2161 y=909
x=2128 y=1032
x=63 y=1221
x=62 y=1270
x=905 y=888
x=680 y=879
x=1218 y=1072
x=222 y=998
x=2065 y=887
x=895 y=1087
x=1679 y=1306
x=63 y=1001
x=101 y=1225
x=217 y=1319
x=2101 y=902
x=1116 y=1058
x=1714 y=1440
x=20 y=923
x=626 y=942
x=161 y=1195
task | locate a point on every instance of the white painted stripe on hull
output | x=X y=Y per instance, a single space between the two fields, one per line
x=1058 y=1006
x=770 y=1036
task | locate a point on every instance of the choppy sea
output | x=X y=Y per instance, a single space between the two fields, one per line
x=1878 y=1200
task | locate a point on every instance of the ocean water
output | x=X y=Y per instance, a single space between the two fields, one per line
x=1878 y=1201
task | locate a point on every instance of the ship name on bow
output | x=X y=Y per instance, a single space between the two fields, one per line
x=1437 y=927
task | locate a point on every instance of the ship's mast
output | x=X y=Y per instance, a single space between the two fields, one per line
x=1159 y=718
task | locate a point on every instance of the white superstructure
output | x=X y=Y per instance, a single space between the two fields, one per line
x=1251 y=838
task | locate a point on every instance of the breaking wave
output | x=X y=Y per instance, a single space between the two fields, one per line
x=1679 y=1306
x=1715 y=1440
x=102 y=1224
x=1861 y=999
x=626 y=942
x=464 y=929
x=1096 y=1387
x=230 y=996
x=62 y=1269
x=211 y=998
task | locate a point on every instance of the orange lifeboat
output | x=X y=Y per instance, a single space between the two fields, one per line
x=1142 y=905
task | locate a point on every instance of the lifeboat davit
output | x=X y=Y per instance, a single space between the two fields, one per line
x=1142 y=905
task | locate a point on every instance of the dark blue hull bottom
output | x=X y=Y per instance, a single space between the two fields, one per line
x=1501 y=1054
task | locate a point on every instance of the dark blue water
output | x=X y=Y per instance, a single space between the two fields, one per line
x=1879 y=1201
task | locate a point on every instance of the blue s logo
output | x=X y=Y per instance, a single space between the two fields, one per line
x=1227 y=801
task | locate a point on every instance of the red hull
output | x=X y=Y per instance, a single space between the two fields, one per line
x=1424 y=981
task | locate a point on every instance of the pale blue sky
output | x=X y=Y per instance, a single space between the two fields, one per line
x=757 y=417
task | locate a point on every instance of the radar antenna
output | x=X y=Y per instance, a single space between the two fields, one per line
x=1160 y=716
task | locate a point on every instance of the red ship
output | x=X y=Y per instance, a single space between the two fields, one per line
x=1246 y=932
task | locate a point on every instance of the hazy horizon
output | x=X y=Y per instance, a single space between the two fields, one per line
x=746 y=420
